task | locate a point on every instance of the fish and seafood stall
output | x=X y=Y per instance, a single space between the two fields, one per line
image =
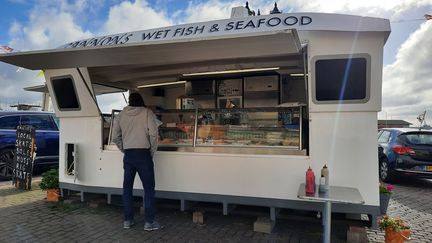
x=247 y=104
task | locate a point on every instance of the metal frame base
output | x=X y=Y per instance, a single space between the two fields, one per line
x=186 y=199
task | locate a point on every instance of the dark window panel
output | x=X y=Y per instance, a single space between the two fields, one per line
x=65 y=94
x=341 y=79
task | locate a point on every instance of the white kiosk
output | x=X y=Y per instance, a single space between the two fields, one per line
x=247 y=105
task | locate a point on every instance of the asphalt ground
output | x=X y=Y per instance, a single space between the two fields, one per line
x=25 y=216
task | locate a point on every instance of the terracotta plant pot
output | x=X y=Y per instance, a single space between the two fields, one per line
x=392 y=236
x=53 y=195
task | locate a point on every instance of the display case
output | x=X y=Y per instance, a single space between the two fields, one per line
x=178 y=127
x=264 y=128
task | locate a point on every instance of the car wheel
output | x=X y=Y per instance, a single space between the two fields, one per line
x=6 y=163
x=385 y=172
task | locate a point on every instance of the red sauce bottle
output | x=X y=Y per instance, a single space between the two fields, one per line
x=310 y=181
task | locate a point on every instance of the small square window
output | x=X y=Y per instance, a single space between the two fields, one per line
x=342 y=79
x=65 y=93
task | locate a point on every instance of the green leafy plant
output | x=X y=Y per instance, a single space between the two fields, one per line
x=386 y=189
x=395 y=224
x=50 y=180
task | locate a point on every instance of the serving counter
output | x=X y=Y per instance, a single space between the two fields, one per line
x=245 y=130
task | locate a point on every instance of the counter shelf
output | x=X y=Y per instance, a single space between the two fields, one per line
x=178 y=127
x=250 y=127
x=241 y=127
x=277 y=128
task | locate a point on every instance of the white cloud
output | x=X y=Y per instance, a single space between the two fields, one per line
x=47 y=29
x=210 y=10
x=128 y=16
x=49 y=25
x=12 y=90
x=15 y=29
x=219 y=9
x=407 y=84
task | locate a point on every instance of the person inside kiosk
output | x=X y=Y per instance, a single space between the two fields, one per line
x=231 y=118
x=135 y=134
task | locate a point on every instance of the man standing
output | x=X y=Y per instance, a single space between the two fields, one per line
x=135 y=134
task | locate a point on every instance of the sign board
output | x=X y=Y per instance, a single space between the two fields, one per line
x=25 y=148
x=250 y=24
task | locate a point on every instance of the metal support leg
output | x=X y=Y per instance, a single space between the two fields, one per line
x=374 y=221
x=182 y=205
x=274 y=212
x=225 y=208
x=186 y=205
x=327 y=222
x=108 y=199
x=82 y=196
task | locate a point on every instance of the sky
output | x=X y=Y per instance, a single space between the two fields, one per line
x=43 y=24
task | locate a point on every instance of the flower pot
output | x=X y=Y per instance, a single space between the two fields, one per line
x=53 y=195
x=392 y=236
x=384 y=202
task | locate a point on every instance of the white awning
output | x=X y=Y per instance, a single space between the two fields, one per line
x=252 y=45
x=131 y=65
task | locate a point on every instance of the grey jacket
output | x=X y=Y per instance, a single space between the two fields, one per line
x=136 y=127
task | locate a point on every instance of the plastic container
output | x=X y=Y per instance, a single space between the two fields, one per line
x=310 y=181
x=324 y=180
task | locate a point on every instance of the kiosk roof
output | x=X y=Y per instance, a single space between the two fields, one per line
x=163 y=54
x=157 y=62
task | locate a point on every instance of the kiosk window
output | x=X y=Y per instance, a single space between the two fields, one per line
x=341 y=79
x=65 y=93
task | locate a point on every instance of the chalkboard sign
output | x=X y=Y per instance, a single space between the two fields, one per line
x=24 y=154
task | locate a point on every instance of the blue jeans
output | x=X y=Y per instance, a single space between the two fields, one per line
x=138 y=160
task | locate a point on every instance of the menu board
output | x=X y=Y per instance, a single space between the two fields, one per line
x=24 y=155
x=230 y=87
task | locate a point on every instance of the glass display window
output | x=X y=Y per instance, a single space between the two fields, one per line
x=279 y=127
x=177 y=127
x=249 y=127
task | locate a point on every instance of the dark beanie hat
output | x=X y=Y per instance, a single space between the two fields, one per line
x=135 y=99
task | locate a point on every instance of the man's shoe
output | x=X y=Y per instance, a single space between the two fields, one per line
x=152 y=226
x=127 y=224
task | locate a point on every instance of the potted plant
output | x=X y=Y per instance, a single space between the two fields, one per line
x=385 y=193
x=396 y=230
x=50 y=183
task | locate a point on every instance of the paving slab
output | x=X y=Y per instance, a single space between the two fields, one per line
x=412 y=202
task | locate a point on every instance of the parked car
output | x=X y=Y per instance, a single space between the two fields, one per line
x=46 y=136
x=404 y=152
